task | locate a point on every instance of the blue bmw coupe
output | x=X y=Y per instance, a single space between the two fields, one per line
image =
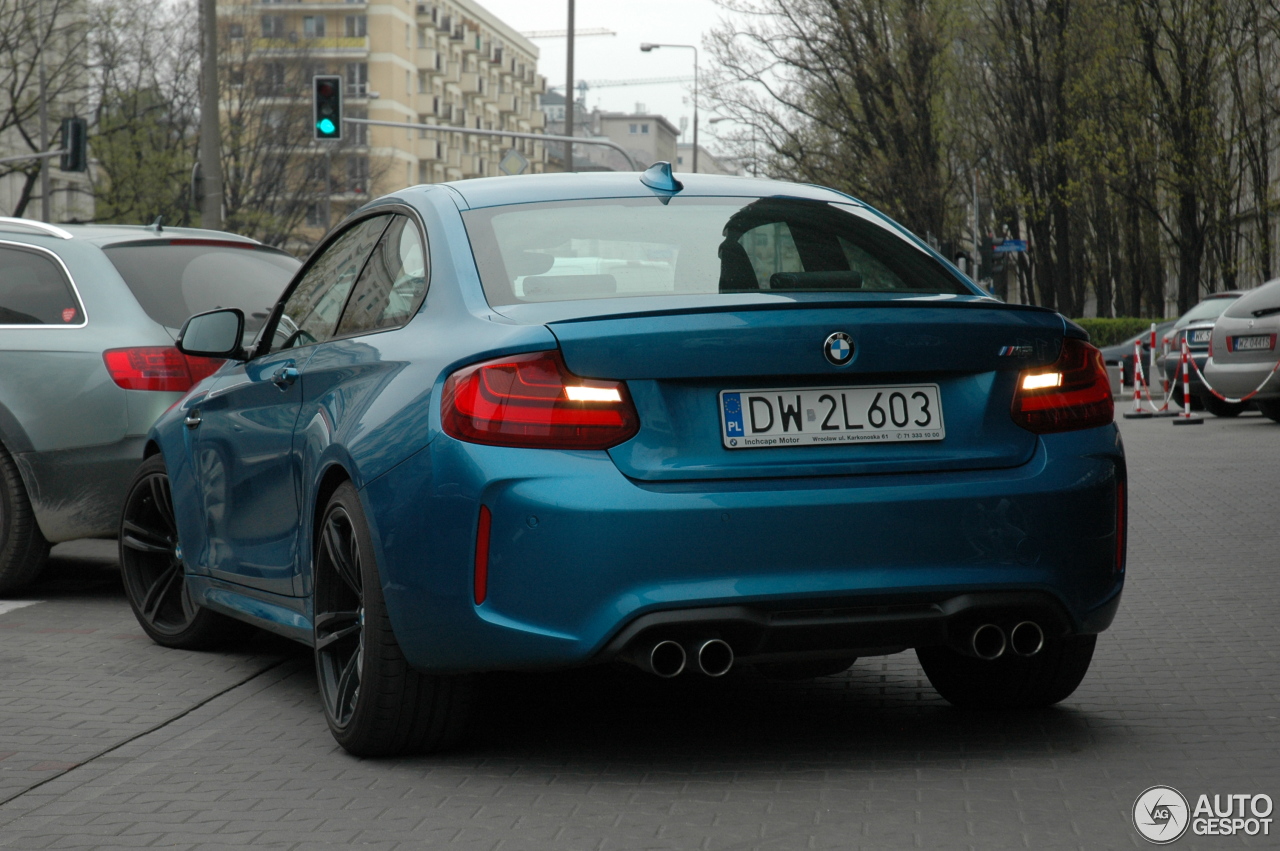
x=561 y=420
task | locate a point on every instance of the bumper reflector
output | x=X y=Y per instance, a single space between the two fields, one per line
x=482 y=555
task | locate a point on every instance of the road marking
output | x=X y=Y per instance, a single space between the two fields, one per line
x=10 y=605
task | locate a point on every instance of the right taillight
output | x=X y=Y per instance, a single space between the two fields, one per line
x=1072 y=393
x=533 y=401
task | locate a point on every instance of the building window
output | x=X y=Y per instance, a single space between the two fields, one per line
x=355 y=26
x=272 y=77
x=422 y=36
x=644 y=128
x=357 y=79
x=315 y=216
x=358 y=174
x=313 y=26
x=273 y=26
x=235 y=77
x=635 y=128
x=235 y=31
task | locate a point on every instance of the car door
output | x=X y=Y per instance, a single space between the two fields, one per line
x=243 y=450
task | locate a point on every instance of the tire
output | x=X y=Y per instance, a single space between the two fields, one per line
x=23 y=549
x=809 y=669
x=1010 y=682
x=1219 y=408
x=375 y=703
x=1270 y=408
x=152 y=568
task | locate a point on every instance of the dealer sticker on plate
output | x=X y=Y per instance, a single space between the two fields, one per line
x=804 y=416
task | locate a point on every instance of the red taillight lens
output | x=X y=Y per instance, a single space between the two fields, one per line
x=157 y=368
x=1073 y=393
x=533 y=401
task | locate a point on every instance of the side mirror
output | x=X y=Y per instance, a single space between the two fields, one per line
x=216 y=334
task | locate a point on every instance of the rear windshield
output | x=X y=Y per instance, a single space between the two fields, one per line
x=175 y=279
x=1208 y=309
x=629 y=247
x=1260 y=302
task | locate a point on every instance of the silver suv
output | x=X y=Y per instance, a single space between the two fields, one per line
x=88 y=317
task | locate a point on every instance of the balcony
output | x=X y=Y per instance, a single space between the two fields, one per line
x=469 y=83
x=327 y=46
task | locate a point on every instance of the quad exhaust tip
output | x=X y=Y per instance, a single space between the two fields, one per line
x=667 y=659
x=987 y=642
x=715 y=657
x=1026 y=639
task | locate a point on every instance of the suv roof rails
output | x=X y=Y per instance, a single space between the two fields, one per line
x=7 y=222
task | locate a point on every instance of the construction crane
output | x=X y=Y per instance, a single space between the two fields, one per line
x=584 y=85
x=563 y=33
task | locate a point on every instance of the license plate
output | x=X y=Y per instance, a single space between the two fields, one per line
x=806 y=416
x=1201 y=335
x=1253 y=343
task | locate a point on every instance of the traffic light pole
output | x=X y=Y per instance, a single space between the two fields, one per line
x=512 y=134
x=47 y=155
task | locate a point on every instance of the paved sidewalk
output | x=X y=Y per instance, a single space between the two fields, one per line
x=1183 y=691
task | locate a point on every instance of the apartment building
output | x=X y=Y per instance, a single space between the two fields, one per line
x=449 y=63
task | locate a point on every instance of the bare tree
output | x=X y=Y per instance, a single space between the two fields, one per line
x=34 y=33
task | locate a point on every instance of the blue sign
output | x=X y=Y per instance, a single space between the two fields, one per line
x=1010 y=245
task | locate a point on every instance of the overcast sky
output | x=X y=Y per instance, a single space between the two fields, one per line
x=618 y=57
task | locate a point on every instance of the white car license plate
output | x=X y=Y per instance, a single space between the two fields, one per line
x=805 y=416
x=1201 y=335
x=1253 y=343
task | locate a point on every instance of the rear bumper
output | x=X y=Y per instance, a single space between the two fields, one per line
x=78 y=493
x=579 y=554
x=1237 y=379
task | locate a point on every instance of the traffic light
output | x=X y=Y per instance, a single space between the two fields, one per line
x=326 y=98
x=75 y=145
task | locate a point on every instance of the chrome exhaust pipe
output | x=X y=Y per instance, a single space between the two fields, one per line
x=987 y=642
x=1026 y=639
x=666 y=659
x=715 y=657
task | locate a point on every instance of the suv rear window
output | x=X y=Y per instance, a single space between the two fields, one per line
x=629 y=247
x=174 y=279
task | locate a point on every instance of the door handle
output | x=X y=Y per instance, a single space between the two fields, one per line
x=193 y=419
x=284 y=376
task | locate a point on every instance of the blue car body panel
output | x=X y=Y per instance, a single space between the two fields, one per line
x=584 y=542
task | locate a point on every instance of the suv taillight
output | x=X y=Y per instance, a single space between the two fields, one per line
x=157 y=368
x=1072 y=393
x=533 y=401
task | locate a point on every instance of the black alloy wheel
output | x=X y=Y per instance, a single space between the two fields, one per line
x=339 y=616
x=375 y=702
x=151 y=564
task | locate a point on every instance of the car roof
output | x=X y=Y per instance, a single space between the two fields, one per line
x=109 y=234
x=532 y=188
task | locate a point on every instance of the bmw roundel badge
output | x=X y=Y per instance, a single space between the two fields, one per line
x=838 y=348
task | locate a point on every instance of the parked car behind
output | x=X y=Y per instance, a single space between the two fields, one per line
x=1121 y=354
x=557 y=420
x=88 y=317
x=1242 y=349
x=1196 y=325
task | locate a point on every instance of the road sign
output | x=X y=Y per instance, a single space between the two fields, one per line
x=513 y=163
x=1010 y=245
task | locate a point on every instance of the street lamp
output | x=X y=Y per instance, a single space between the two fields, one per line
x=648 y=46
x=755 y=171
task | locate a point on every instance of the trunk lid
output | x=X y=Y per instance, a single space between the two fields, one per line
x=677 y=362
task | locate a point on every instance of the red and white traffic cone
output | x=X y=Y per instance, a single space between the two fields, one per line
x=1186 y=417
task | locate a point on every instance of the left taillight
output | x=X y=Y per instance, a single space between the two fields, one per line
x=1072 y=393
x=533 y=401
x=157 y=368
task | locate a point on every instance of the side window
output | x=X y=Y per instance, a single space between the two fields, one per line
x=311 y=313
x=34 y=291
x=392 y=283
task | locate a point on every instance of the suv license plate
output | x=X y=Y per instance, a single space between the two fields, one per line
x=805 y=416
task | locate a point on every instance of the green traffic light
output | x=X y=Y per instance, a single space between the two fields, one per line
x=326 y=126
